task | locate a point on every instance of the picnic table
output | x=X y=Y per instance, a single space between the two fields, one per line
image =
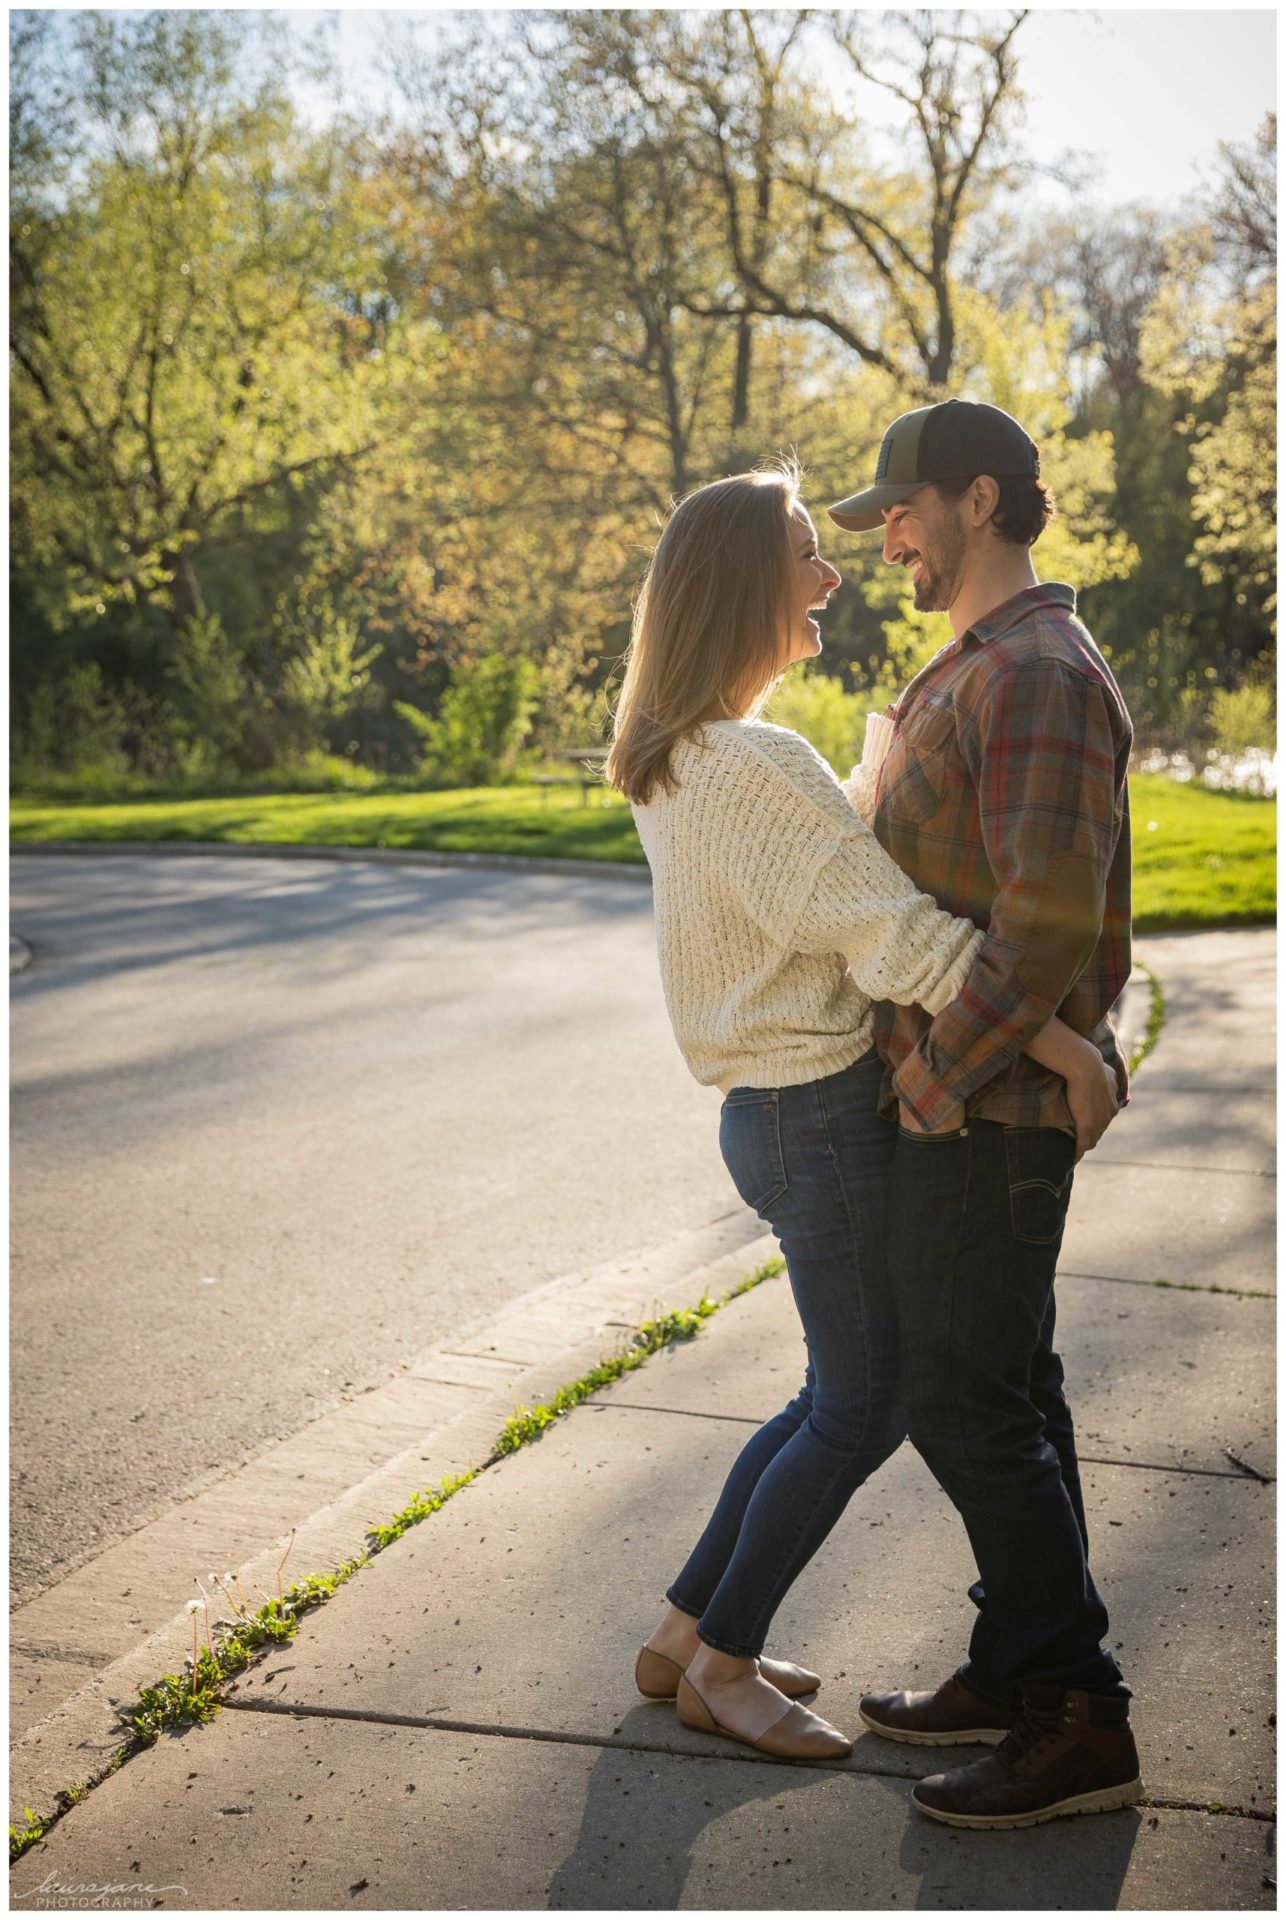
x=585 y=770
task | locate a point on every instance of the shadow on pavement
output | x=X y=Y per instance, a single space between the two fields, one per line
x=638 y=1841
x=210 y=909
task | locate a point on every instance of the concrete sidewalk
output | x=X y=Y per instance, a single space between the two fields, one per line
x=464 y=1707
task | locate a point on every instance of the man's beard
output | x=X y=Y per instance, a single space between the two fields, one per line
x=939 y=579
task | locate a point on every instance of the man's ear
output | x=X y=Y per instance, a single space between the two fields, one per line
x=984 y=498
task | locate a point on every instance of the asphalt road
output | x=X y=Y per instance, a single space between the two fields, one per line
x=277 y=1126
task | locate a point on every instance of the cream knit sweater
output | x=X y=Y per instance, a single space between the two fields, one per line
x=779 y=917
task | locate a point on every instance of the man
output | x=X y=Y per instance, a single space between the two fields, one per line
x=1003 y=794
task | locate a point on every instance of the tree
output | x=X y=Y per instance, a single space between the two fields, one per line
x=1211 y=341
x=816 y=233
x=161 y=411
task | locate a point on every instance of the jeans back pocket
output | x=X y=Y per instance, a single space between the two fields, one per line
x=750 y=1142
x=1040 y=1162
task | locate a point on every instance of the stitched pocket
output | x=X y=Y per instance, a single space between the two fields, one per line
x=915 y=789
x=1040 y=1163
x=750 y=1142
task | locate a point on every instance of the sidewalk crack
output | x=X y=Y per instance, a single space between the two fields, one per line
x=1178 y=1166
x=433 y=1723
x=1088 y=1459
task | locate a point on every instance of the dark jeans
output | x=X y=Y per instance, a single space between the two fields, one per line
x=814 y=1162
x=976 y=1221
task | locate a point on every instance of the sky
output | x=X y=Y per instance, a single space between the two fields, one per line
x=1147 y=95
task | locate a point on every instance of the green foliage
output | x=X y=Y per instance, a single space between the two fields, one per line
x=569 y=714
x=35 y=1826
x=212 y=692
x=485 y=716
x=190 y=776
x=505 y=820
x=176 y=1701
x=1155 y=1022
x=1201 y=859
x=1208 y=347
x=193 y=1698
x=528 y=1423
x=154 y=409
x=368 y=408
x=1242 y=717
x=814 y=704
x=419 y=1508
x=78 y=723
x=1234 y=470
x=327 y=673
x=1209 y=860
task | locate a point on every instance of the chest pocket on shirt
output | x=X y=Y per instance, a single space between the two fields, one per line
x=913 y=779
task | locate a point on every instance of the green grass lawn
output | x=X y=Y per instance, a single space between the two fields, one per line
x=1201 y=859
x=532 y=820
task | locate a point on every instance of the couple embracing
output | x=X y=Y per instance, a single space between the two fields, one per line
x=901 y=987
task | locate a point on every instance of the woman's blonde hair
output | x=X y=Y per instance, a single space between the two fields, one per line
x=710 y=622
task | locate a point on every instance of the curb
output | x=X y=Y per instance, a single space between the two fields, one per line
x=387 y=856
x=1134 y=1008
x=560 y=1330
x=19 y=955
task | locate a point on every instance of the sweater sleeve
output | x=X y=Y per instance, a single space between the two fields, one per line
x=860 y=787
x=837 y=891
x=899 y=944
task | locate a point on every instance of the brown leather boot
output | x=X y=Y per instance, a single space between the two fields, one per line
x=950 y=1716
x=1068 y=1752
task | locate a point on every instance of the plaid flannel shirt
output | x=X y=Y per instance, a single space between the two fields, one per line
x=1004 y=795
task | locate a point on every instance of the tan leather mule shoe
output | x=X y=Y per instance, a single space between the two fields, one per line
x=797 y=1735
x=657 y=1677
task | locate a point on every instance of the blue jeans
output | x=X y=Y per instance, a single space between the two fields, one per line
x=975 y=1226
x=814 y=1162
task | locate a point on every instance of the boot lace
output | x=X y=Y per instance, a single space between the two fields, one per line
x=1026 y=1734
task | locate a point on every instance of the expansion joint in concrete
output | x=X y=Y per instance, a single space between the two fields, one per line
x=75 y=1656
x=1170 y=1286
x=613 y=1743
x=1168 y=1166
x=1089 y=1459
x=604 y=1742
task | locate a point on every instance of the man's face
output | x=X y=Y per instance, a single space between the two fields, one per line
x=926 y=534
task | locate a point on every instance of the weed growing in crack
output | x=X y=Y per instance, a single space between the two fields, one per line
x=1200 y=1286
x=195 y=1696
x=1156 y=1020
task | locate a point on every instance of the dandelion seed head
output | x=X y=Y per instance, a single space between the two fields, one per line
x=194 y=1606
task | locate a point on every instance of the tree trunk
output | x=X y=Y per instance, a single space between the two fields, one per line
x=186 y=598
x=741 y=385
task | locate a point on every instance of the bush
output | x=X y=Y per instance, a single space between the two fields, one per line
x=327 y=674
x=569 y=714
x=815 y=704
x=211 y=692
x=485 y=716
x=1241 y=718
x=75 y=726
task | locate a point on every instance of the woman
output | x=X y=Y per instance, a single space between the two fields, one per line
x=780 y=920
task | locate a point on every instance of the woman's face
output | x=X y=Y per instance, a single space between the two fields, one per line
x=812 y=582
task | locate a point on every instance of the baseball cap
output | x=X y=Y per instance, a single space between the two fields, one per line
x=953 y=440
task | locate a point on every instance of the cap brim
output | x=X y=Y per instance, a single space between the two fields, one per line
x=861 y=512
